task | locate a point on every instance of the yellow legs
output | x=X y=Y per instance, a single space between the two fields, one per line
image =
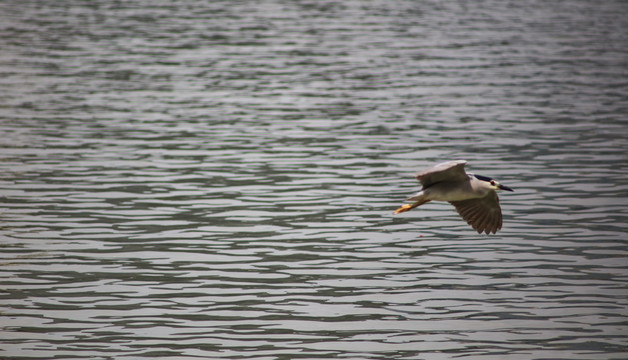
x=407 y=207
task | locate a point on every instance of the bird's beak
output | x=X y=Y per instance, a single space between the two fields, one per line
x=503 y=187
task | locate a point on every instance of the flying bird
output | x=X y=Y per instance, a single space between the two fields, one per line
x=473 y=196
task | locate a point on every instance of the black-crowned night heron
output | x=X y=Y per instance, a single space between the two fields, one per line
x=474 y=196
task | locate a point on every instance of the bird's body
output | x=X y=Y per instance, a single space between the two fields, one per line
x=474 y=196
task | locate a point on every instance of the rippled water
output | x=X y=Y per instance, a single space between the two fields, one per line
x=191 y=179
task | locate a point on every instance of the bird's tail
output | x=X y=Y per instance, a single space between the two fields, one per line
x=407 y=207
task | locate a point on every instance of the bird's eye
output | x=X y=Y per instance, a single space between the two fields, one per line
x=493 y=182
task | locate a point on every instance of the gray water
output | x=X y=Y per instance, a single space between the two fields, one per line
x=216 y=179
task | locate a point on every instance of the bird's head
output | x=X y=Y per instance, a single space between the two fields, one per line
x=492 y=184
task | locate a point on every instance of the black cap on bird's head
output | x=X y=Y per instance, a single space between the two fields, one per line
x=493 y=182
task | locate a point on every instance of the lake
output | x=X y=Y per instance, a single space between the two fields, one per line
x=216 y=179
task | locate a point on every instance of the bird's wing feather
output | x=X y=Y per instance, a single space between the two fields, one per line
x=449 y=171
x=483 y=214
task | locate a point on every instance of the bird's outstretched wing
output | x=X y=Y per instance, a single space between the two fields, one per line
x=483 y=214
x=447 y=171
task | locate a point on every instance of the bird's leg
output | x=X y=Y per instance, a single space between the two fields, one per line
x=407 y=207
x=403 y=208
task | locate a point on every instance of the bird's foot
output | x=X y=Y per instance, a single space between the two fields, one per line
x=403 y=208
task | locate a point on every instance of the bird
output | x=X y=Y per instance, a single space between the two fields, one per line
x=473 y=196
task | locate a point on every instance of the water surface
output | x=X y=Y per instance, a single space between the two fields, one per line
x=216 y=179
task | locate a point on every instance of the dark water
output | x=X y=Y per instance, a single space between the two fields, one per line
x=216 y=179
